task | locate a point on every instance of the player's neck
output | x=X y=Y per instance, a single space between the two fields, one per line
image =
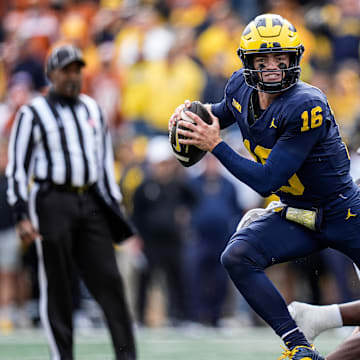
x=265 y=99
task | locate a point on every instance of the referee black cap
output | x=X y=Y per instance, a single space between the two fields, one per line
x=63 y=55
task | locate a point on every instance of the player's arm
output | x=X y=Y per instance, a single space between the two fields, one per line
x=285 y=159
x=348 y=350
x=222 y=112
x=350 y=313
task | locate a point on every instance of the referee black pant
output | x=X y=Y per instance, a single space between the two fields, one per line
x=74 y=230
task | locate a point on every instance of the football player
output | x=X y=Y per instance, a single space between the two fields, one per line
x=313 y=320
x=289 y=128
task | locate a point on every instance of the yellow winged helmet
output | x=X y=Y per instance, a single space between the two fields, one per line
x=270 y=33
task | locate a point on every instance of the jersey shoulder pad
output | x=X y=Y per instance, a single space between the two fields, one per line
x=235 y=82
x=305 y=93
x=306 y=109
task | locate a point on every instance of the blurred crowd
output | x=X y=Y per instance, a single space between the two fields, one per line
x=143 y=59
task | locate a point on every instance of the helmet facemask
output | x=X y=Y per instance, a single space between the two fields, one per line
x=290 y=74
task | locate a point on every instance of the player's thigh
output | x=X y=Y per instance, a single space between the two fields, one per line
x=343 y=234
x=278 y=240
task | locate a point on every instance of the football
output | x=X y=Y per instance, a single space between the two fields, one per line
x=188 y=155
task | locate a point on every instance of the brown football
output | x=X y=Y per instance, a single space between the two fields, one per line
x=189 y=155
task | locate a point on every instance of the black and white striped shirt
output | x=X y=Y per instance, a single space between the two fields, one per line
x=65 y=143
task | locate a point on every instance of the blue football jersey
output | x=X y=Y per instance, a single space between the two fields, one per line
x=296 y=143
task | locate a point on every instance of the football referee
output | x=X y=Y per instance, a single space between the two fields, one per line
x=60 y=145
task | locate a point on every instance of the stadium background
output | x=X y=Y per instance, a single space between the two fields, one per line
x=145 y=57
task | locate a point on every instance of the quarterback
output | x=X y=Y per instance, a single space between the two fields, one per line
x=289 y=128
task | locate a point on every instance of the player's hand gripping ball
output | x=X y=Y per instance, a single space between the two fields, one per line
x=188 y=155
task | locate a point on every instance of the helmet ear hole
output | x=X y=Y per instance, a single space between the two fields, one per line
x=301 y=49
x=247 y=60
x=250 y=61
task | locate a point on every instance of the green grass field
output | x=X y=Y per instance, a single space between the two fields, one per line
x=165 y=344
